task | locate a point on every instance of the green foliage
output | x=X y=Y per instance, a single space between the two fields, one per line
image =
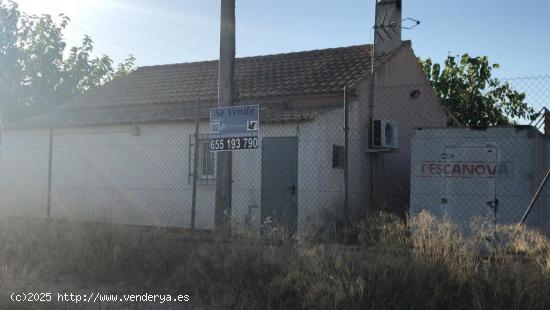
x=34 y=73
x=466 y=87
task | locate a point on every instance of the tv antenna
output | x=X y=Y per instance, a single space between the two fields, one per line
x=410 y=22
x=386 y=28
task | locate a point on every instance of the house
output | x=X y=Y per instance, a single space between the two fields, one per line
x=123 y=152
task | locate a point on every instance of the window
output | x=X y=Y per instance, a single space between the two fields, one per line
x=206 y=161
x=338 y=157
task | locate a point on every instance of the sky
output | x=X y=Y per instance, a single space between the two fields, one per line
x=514 y=34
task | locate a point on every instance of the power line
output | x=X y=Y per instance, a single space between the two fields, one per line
x=126 y=38
x=77 y=44
x=200 y=33
x=120 y=44
x=212 y=38
x=149 y=32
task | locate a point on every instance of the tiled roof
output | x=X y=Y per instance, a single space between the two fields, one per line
x=169 y=92
x=70 y=117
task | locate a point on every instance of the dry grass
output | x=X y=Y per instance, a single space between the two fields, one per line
x=427 y=264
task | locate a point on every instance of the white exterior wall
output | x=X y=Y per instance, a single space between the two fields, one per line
x=393 y=83
x=24 y=173
x=105 y=173
x=319 y=185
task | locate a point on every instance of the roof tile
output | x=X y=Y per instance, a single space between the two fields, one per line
x=279 y=75
x=169 y=92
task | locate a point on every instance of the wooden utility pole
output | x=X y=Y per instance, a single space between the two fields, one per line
x=226 y=76
x=195 y=166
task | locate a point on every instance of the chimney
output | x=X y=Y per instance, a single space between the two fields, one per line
x=387 y=26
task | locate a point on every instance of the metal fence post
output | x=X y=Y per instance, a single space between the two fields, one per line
x=346 y=152
x=533 y=200
x=195 y=166
x=49 y=195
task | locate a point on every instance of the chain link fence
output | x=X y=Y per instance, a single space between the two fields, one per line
x=486 y=174
x=142 y=173
x=537 y=92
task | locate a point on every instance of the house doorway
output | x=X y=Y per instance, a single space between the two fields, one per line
x=280 y=181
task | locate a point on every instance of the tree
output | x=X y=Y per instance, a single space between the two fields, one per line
x=34 y=74
x=466 y=87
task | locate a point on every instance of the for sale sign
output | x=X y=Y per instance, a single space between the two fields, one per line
x=234 y=128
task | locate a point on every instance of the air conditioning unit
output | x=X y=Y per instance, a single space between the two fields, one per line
x=385 y=134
